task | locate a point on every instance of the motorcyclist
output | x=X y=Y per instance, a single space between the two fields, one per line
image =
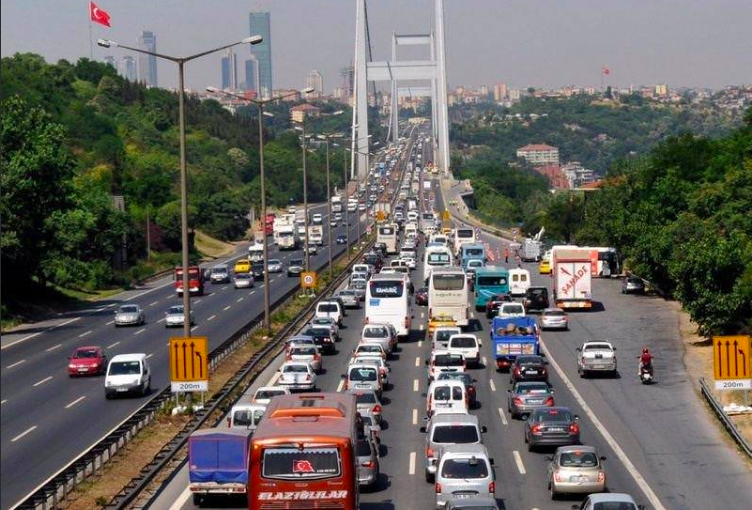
x=646 y=360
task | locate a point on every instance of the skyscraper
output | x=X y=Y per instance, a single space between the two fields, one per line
x=128 y=68
x=230 y=70
x=315 y=81
x=251 y=74
x=110 y=61
x=260 y=23
x=147 y=64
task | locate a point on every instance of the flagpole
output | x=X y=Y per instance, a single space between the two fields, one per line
x=602 y=78
x=88 y=15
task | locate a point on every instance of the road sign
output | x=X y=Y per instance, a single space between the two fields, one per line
x=380 y=215
x=734 y=384
x=308 y=279
x=731 y=357
x=189 y=364
x=445 y=215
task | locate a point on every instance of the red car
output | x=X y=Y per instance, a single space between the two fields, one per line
x=89 y=360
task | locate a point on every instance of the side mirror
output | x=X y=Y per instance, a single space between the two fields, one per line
x=342 y=376
x=615 y=349
x=426 y=362
x=603 y=457
x=229 y=421
x=491 y=461
x=579 y=349
x=483 y=429
x=475 y=380
x=423 y=429
x=576 y=417
x=509 y=391
x=480 y=344
x=549 y=457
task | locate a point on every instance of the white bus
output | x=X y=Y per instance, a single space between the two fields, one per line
x=448 y=294
x=463 y=235
x=388 y=300
x=387 y=234
x=436 y=256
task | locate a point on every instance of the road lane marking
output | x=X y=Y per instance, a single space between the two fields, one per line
x=251 y=292
x=197 y=301
x=226 y=308
x=140 y=331
x=53 y=347
x=22 y=434
x=113 y=345
x=4 y=401
x=161 y=320
x=182 y=499
x=211 y=318
x=340 y=385
x=638 y=478
x=422 y=315
x=411 y=469
x=110 y=323
x=39 y=383
x=420 y=343
x=417 y=361
x=240 y=299
x=491 y=383
x=69 y=321
x=154 y=303
x=472 y=315
x=420 y=327
x=518 y=461
x=415 y=416
x=84 y=334
x=485 y=362
x=16 y=363
x=149 y=355
x=79 y=399
x=193 y=328
x=416 y=385
x=503 y=416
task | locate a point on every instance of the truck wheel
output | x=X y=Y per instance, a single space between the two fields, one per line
x=197 y=500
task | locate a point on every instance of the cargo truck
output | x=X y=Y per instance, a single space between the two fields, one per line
x=512 y=337
x=316 y=234
x=218 y=463
x=572 y=274
x=286 y=233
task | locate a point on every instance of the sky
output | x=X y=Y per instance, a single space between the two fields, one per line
x=539 y=43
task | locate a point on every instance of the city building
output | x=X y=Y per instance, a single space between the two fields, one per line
x=514 y=95
x=251 y=74
x=500 y=91
x=147 y=64
x=577 y=175
x=539 y=154
x=315 y=81
x=290 y=95
x=348 y=79
x=661 y=90
x=556 y=177
x=230 y=70
x=110 y=61
x=128 y=68
x=302 y=111
x=260 y=23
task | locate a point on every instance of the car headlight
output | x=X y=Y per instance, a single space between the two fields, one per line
x=71 y=366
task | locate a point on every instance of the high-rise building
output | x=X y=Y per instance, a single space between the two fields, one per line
x=128 y=68
x=500 y=91
x=348 y=79
x=110 y=61
x=251 y=74
x=315 y=80
x=147 y=64
x=260 y=23
x=230 y=70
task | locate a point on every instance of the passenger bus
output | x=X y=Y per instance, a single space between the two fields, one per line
x=472 y=251
x=388 y=301
x=490 y=281
x=427 y=219
x=463 y=235
x=436 y=256
x=387 y=234
x=448 y=293
x=608 y=262
x=303 y=453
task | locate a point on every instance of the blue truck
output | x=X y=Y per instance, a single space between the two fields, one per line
x=512 y=337
x=218 y=463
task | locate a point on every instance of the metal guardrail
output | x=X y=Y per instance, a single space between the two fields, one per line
x=718 y=410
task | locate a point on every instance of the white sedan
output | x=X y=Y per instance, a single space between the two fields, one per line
x=324 y=323
x=297 y=375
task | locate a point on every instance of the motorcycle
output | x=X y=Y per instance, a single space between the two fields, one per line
x=646 y=374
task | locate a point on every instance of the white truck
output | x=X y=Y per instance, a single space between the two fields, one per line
x=352 y=205
x=316 y=234
x=286 y=233
x=532 y=248
x=596 y=357
x=572 y=273
x=336 y=204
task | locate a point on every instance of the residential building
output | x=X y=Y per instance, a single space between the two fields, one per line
x=556 y=177
x=147 y=64
x=251 y=74
x=514 y=95
x=260 y=23
x=128 y=68
x=500 y=91
x=539 y=154
x=315 y=80
x=302 y=111
x=348 y=79
x=230 y=70
x=661 y=90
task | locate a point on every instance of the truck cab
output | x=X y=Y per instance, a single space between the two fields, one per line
x=512 y=337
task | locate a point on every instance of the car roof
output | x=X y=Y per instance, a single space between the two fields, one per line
x=552 y=310
x=612 y=497
x=88 y=348
x=459 y=450
x=140 y=356
x=576 y=448
x=454 y=419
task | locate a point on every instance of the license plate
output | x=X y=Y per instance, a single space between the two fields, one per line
x=532 y=372
x=578 y=479
x=362 y=386
x=538 y=401
x=555 y=429
x=83 y=369
x=599 y=366
x=122 y=389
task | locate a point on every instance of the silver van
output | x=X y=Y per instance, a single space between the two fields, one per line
x=465 y=471
x=448 y=429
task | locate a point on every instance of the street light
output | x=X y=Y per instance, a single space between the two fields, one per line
x=261 y=114
x=364 y=154
x=327 y=137
x=180 y=61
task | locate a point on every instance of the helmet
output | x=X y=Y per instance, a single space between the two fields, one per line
x=645 y=350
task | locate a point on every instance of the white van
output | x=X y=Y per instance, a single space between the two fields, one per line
x=436 y=256
x=387 y=234
x=388 y=301
x=127 y=373
x=466 y=344
x=447 y=396
x=519 y=281
x=245 y=416
x=330 y=309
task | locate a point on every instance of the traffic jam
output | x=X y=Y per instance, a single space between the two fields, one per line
x=421 y=315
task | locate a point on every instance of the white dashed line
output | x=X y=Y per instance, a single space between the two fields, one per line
x=149 y=355
x=240 y=299
x=251 y=292
x=503 y=416
x=16 y=363
x=420 y=343
x=472 y=315
x=518 y=461
x=226 y=308
x=491 y=383
x=161 y=320
x=197 y=301
x=140 y=331
x=4 y=401
x=193 y=328
x=416 y=385
x=415 y=416
x=112 y=345
x=22 y=434
x=417 y=361
x=79 y=399
x=110 y=323
x=39 y=383
x=84 y=334
x=340 y=385
x=485 y=361
x=411 y=468
x=420 y=327
x=211 y=318
x=53 y=347
x=154 y=303
x=422 y=315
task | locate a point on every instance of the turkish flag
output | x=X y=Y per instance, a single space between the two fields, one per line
x=606 y=70
x=302 y=466
x=98 y=15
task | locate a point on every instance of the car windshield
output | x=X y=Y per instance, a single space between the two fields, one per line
x=125 y=368
x=513 y=308
x=365 y=398
x=243 y=276
x=465 y=468
x=328 y=307
x=597 y=347
x=303 y=351
x=363 y=374
x=463 y=342
x=296 y=262
x=369 y=348
x=554 y=313
x=296 y=369
x=442 y=335
x=267 y=394
x=492 y=281
x=129 y=309
x=175 y=310
x=219 y=270
x=578 y=459
x=376 y=332
x=364 y=448
x=447 y=393
x=323 y=321
x=456 y=376
x=86 y=354
x=529 y=360
x=614 y=505
x=448 y=360
x=455 y=434
x=552 y=415
x=532 y=389
x=275 y=262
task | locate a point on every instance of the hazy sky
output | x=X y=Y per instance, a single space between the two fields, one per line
x=521 y=42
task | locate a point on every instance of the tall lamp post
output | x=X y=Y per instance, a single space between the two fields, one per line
x=180 y=61
x=260 y=103
x=358 y=208
x=328 y=137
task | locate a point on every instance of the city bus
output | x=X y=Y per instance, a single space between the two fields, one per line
x=303 y=453
x=448 y=293
x=387 y=234
x=490 y=281
x=608 y=262
x=463 y=235
x=388 y=301
x=436 y=256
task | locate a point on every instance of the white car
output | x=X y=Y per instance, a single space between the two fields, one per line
x=554 y=318
x=307 y=354
x=317 y=219
x=596 y=357
x=374 y=359
x=297 y=375
x=330 y=309
x=368 y=349
x=274 y=265
x=468 y=345
x=377 y=333
x=511 y=309
x=265 y=394
x=447 y=397
x=409 y=261
x=326 y=323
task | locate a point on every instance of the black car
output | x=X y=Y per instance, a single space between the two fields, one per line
x=493 y=303
x=322 y=337
x=373 y=259
x=257 y=270
x=380 y=248
x=295 y=267
x=536 y=299
x=528 y=368
x=421 y=296
x=341 y=239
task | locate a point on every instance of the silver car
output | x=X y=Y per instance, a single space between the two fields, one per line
x=274 y=265
x=368 y=462
x=448 y=429
x=461 y=503
x=306 y=353
x=527 y=396
x=576 y=470
x=129 y=315
x=174 y=317
x=554 y=318
x=243 y=280
x=350 y=298
x=326 y=323
x=610 y=500
x=371 y=426
x=465 y=470
x=220 y=274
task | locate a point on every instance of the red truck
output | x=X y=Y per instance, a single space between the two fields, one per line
x=270 y=217
x=195 y=280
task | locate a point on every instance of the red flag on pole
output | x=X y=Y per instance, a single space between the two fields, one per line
x=605 y=70
x=98 y=15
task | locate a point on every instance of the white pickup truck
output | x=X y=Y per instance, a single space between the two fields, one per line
x=596 y=357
